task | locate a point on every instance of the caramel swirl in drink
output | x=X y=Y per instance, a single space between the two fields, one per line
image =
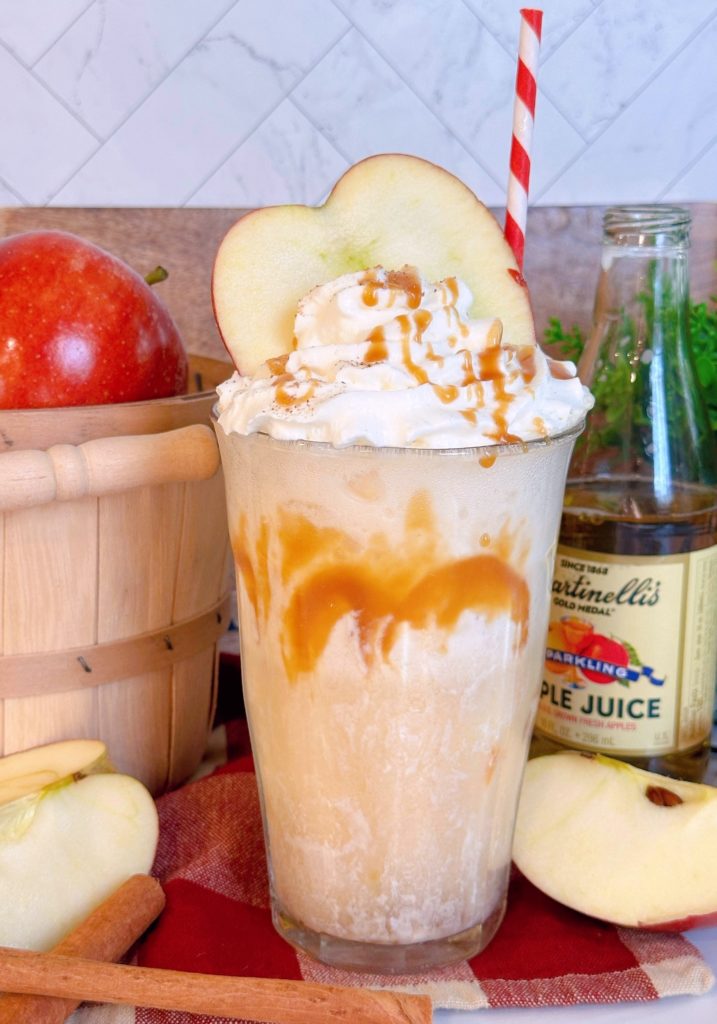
x=416 y=584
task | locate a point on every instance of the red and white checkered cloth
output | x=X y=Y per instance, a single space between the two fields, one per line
x=217 y=920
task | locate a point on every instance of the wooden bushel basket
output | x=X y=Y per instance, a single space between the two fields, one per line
x=114 y=579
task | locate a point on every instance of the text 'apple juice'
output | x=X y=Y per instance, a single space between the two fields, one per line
x=631 y=654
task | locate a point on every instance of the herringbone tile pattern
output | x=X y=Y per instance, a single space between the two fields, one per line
x=247 y=102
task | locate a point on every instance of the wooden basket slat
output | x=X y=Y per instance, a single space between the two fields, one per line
x=137 y=578
x=205 y=578
x=31 y=721
x=137 y=582
x=202 y=559
x=191 y=712
x=135 y=723
x=50 y=555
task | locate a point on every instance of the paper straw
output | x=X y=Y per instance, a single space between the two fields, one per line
x=516 y=213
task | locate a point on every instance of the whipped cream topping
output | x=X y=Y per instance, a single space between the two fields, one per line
x=387 y=359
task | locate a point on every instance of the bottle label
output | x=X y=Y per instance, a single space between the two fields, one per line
x=631 y=652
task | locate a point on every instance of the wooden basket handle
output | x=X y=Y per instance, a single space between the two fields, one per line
x=105 y=465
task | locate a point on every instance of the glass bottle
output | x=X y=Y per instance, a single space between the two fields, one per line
x=632 y=648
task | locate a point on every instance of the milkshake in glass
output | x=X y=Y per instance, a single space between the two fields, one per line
x=394 y=488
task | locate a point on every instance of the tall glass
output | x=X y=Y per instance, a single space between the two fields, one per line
x=393 y=612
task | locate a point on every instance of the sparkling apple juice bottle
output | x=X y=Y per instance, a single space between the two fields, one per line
x=631 y=652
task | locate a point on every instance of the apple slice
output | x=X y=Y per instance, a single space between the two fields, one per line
x=70 y=833
x=618 y=843
x=29 y=771
x=388 y=210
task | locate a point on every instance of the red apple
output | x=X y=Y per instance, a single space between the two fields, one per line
x=80 y=327
x=619 y=843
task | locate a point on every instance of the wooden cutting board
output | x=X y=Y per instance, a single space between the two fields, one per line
x=563 y=252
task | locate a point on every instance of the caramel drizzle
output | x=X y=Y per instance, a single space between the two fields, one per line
x=489 y=359
x=381 y=585
x=290 y=399
x=447 y=393
x=254 y=573
x=422 y=319
x=449 y=291
x=469 y=372
x=277 y=364
x=432 y=356
x=406 y=280
x=451 y=284
x=491 y=370
x=483 y=583
x=377 y=349
x=452 y=314
x=416 y=371
x=372 y=286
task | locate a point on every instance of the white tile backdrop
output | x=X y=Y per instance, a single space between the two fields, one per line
x=247 y=102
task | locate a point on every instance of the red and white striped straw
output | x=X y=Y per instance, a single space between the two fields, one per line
x=526 y=87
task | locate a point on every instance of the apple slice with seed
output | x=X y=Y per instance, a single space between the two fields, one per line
x=619 y=843
x=389 y=210
x=71 y=832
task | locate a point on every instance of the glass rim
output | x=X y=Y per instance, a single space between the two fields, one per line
x=461 y=451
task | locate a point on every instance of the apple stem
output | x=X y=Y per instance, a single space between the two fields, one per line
x=156 y=275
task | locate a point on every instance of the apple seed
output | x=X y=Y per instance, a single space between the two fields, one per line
x=663 y=797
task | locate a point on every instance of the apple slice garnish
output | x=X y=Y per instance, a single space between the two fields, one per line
x=389 y=210
x=618 y=843
x=71 y=832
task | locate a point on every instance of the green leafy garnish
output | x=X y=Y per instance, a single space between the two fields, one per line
x=703 y=332
x=569 y=344
x=613 y=391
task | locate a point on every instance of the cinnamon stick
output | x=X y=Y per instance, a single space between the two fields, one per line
x=106 y=934
x=251 y=999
